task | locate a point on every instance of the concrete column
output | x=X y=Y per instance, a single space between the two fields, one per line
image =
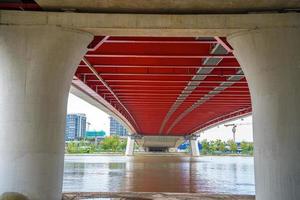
x=130 y=146
x=270 y=59
x=37 y=64
x=194 y=147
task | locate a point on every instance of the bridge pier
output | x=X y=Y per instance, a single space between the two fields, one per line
x=36 y=68
x=130 y=146
x=194 y=147
x=271 y=61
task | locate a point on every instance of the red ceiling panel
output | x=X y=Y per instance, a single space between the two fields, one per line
x=167 y=86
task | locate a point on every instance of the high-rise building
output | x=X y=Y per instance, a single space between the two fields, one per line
x=75 y=126
x=116 y=128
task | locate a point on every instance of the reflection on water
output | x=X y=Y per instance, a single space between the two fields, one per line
x=231 y=175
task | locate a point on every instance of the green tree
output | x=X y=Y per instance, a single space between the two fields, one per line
x=221 y=146
x=247 y=147
x=111 y=143
x=72 y=147
x=232 y=146
x=213 y=147
x=205 y=146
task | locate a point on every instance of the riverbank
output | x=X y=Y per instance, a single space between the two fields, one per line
x=155 y=154
x=154 y=196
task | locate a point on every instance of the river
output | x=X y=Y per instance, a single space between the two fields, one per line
x=212 y=174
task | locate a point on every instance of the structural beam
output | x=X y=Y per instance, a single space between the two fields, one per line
x=153 y=25
x=111 y=91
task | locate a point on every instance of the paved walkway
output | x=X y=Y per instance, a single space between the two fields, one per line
x=153 y=196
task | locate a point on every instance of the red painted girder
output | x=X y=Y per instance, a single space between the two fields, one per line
x=224 y=43
x=168 y=99
x=226 y=117
x=210 y=106
x=154 y=61
x=137 y=105
x=211 y=100
x=163 y=41
x=100 y=43
x=166 y=81
x=153 y=74
x=162 y=66
x=170 y=91
x=156 y=56
x=151 y=38
x=158 y=87
x=164 y=90
x=107 y=86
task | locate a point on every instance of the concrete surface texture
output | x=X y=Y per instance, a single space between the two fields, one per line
x=160 y=141
x=153 y=25
x=130 y=146
x=153 y=196
x=271 y=61
x=194 y=148
x=36 y=68
x=169 y=6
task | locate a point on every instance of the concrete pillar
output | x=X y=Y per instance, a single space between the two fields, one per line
x=194 y=147
x=129 y=146
x=270 y=59
x=37 y=64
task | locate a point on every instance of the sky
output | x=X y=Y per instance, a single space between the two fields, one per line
x=99 y=120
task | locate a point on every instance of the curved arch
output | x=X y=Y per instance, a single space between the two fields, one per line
x=82 y=91
x=222 y=119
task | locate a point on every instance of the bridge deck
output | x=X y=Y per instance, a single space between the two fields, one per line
x=167 y=85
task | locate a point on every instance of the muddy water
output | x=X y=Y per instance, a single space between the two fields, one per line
x=229 y=175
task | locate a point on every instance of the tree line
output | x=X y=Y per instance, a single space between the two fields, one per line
x=108 y=144
x=229 y=147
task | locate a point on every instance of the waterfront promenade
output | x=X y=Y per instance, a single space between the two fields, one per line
x=153 y=196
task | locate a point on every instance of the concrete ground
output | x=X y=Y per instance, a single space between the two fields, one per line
x=153 y=196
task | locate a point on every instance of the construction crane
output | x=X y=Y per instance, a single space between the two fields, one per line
x=234 y=126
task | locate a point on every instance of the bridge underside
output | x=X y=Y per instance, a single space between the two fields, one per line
x=157 y=86
x=166 y=85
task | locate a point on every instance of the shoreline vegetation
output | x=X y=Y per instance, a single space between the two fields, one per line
x=114 y=145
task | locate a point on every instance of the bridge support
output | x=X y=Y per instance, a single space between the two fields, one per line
x=194 y=147
x=36 y=68
x=270 y=59
x=130 y=146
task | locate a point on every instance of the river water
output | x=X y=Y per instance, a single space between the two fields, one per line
x=213 y=174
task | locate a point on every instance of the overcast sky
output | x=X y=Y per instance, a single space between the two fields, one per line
x=100 y=121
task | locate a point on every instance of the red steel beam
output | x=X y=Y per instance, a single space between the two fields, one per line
x=107 y=86
x=167 y=81
x=159 y=87
x=99 y=44
x=137 y=90
x=224 y=43
x=223 y=118
x=163 y=41
x=161 y=74
x=165 y=66
x=155 y=56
